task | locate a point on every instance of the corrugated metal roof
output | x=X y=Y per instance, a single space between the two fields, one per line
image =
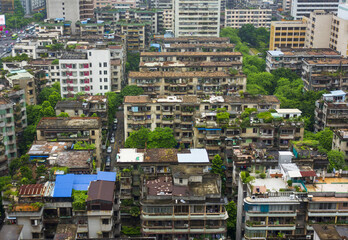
x=31 y=189
x=106 y=176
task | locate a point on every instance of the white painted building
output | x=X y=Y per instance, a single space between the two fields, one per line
x=197 y=18
x=81 y=72
x=236 y=18
x=303 y=8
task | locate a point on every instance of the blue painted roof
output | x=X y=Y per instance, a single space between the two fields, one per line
x=106 y=176
x=66 y=183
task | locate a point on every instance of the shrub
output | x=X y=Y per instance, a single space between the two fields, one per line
x=263 y=175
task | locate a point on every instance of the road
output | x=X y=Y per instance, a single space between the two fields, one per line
x=119 y=138
x=5 y=43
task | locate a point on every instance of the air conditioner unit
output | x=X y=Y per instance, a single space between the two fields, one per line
x=262 y=222
x=308 y=237
x=186 y=225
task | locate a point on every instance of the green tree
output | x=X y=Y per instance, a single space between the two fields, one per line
x=247 y=33
x=46 y=92
x=161 y=138
x=34 y=114
x=131 y=90
x=285 y=73
x=217 y=165
x=138 y=139
x=232 y=34
x=336 y=160
x=18 y=9
x=47 y=110
x=26 y=172
x=263 y=79
x=325 y=139
x=53 y=98
x=231 y=209
x=132 y=63
x=29 y=135
x=63 y=114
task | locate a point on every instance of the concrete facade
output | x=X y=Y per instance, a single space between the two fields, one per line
x=236 y=18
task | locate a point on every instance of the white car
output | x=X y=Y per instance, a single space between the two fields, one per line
x=115 y=121
x=112 y=140
x=109 y=150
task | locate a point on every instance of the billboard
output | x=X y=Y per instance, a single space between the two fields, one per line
x=2 y=20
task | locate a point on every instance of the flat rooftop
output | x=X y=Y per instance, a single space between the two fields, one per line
x=73 y=159
x=273 y=184
x=69 y=105
x=207 y=45
x=305 y=52
x=189 y=54
x=82 y=123
x=169 y=64
x=11 y=232
x=177 y=74
x=327 y=61
x=47 y=148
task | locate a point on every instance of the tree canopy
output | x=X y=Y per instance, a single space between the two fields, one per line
x=336 y=160
x=144 y=138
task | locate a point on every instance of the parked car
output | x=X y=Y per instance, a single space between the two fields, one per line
x=115 y=127
x=115 y=121
x=112 y=140
x=109 y=150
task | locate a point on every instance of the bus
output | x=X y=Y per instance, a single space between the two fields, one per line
x=14 y=36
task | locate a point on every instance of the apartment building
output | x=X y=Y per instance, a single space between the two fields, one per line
x=168 y=19
x=201 y=47
x=8 y=133
x=183 y=83
x=72 y=10
x=197 y=19
x=194 y=40
x=303 y=8
x=119 y=4
x=23 y=80
x=325 y=74
x=55 y=206
x=134 y=33
x=331 y=111
x=31 y=6
x=288 y=34
x=3 y=157
x=194 y=121
x=340 y=141
x=190 y=191
x=49 y=67
x=92 y=27
x=87 y=105
x=339 y=33
x=85 y=72
x=60 y=26
x=72 y=129
x=236 y=18
x=155 y=17
x=293 y=58
x=266 y=211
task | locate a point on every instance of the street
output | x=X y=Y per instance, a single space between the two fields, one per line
x=119 y=138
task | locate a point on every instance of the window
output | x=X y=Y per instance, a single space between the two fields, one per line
x=105 y=72
x=254 y=130
x=158 y=108
x=100 y=64
x=105 y=221
x=100 y=80
x=35 y=222
x=101 y=87
x=93 y=133
x=90 y=64
x=243 y=130
x=105 y=79
x=105 y=64
x=345 y=204
x=105 y=87
x=90 y=53
x=100 y=72
x=36 y=235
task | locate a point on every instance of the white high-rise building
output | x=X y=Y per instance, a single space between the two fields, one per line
x=197 y=18
x=85 y=72
x=303 y=8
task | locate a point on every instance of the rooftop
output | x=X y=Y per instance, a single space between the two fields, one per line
x=330 y=232
x=327 y=61
x=137 y=99
x=31 y=190
x=101 y=190
x=83 y=123
x=69 y=105
x=288 y=111
x=74 y=55
x=11 y=232
x=19 y=75
x=189 y=64
x=305 y=52
x=200 y=39
x=73 y=159
x=46 y=148
x=177 y=74
x=66 y=232
x=206 y=45
x=273 y=184
x=182 y=54
x=66 y=183
x=267 y=99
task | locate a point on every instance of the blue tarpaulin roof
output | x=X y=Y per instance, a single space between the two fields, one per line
x=106 y=176
x=66 y=183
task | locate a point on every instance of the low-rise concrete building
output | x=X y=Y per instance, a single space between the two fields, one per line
x=340 y=141
x=236 y=18
x=72 y=129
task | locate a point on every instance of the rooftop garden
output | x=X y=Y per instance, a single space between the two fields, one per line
x=84 y=146
x=79 y=200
